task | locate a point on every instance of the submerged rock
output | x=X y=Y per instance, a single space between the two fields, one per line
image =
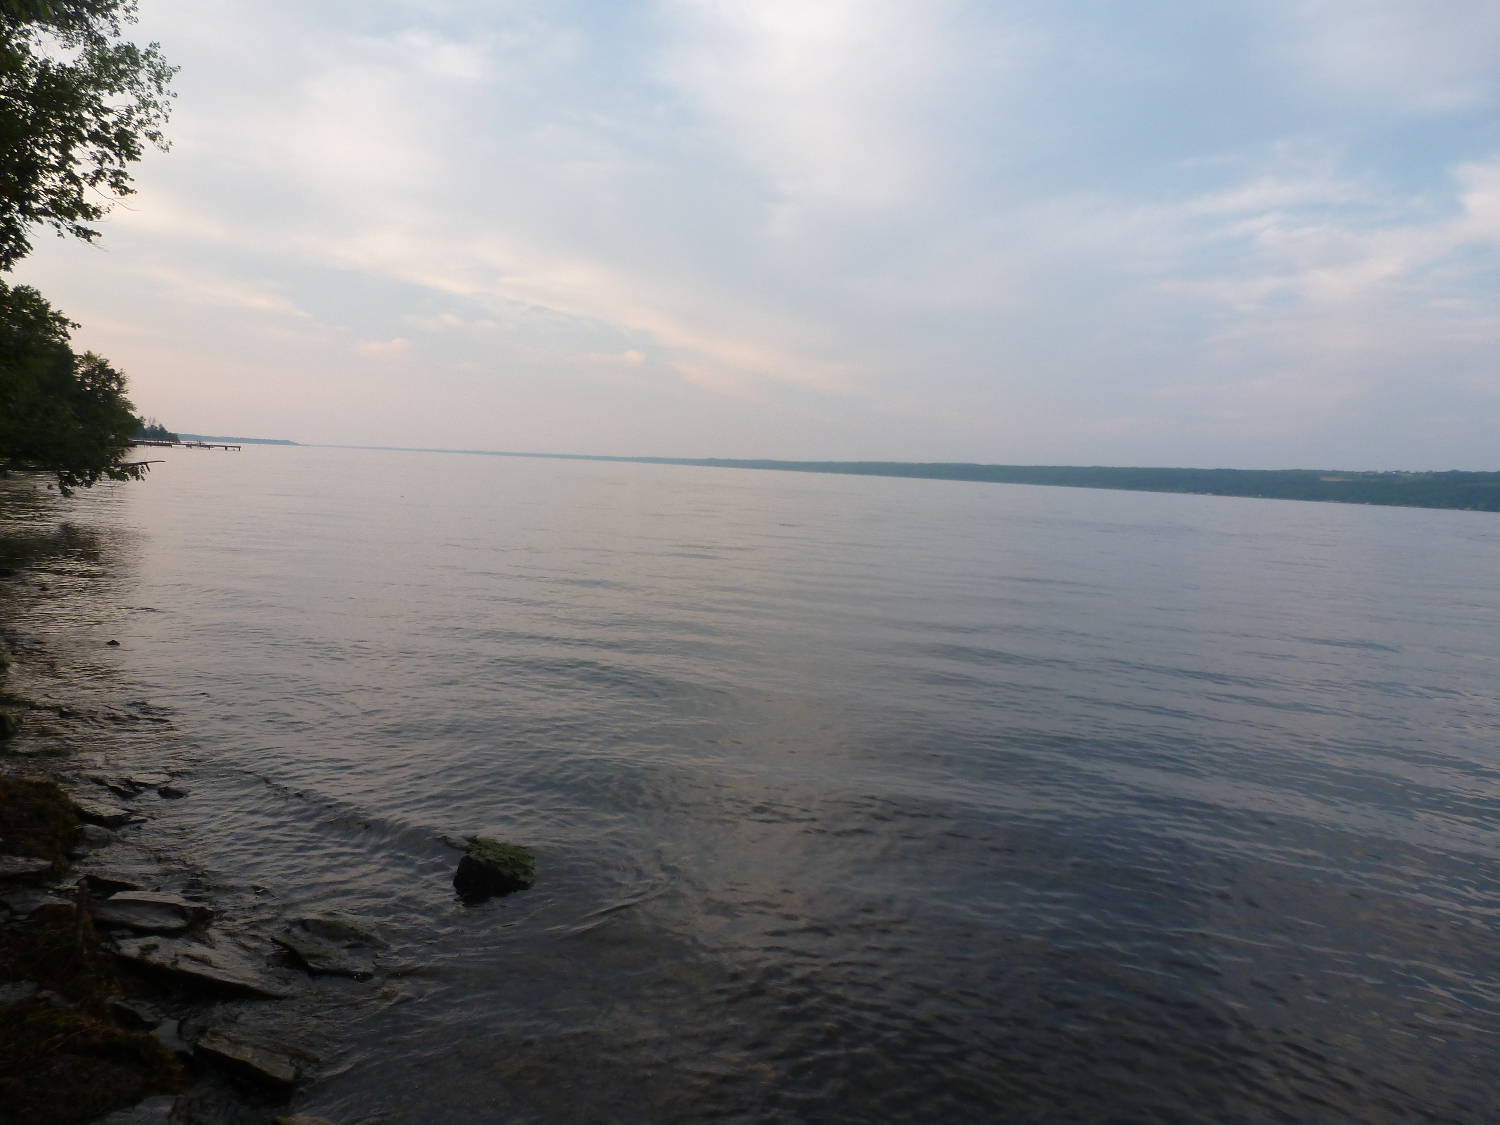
x=106 y=816
x=301 y=1120
x=322 y=958
x=493 y=868
x=92 y=837
x=130 y=785
x=323 y=946
x=273 y=1065
x=192 y=964
x=152 y=1111
x=340 y=930
x=148 y=912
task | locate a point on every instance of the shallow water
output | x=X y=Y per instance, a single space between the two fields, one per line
x=853 y=799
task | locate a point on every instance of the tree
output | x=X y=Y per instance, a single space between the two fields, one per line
x=152 y=431
x=77 y=107
x=59 y=412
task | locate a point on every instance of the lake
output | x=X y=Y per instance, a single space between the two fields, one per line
x=853 y=799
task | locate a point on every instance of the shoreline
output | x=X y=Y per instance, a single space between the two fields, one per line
x=1448 y=490
x=167 y=973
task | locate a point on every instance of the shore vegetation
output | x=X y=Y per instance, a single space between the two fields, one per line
x=153 y=431
x=1470 y=491
x=79 y=104
x=60 y=412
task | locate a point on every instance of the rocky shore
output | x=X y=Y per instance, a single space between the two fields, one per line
x=134 y=989
x=124 y=984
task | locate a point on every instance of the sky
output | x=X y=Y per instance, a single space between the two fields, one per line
x=1247 y=234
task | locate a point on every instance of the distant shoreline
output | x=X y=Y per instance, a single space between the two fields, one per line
x=1453 y=490
x=237 y=440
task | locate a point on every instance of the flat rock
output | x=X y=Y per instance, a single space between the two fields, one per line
x=14 y=991
x=25 y=903
x=270 y=1064
x=20 y=866
x=135 y=1014
x=190 y=963
x=111 y=884
x=152 y=1111
x=148 y=912
x=322 y=958
x=106 y=816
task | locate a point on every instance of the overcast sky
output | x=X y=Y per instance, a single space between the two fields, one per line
x=1251 y=233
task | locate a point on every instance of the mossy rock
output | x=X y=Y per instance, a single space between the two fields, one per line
x=493 y=868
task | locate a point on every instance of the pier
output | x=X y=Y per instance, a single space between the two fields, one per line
x=185 y=444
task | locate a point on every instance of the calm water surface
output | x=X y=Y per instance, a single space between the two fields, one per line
x=853 y=799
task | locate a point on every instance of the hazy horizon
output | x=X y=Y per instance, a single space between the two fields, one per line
x=709 y=457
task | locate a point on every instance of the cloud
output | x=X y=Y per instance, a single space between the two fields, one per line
x=814 y=94
x=383 y=349
x=828 y=228
x=1428 y=58
x=201 y=287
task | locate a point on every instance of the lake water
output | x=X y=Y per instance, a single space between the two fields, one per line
x=853 y=799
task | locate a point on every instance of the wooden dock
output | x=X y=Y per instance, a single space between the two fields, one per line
x=184 y=444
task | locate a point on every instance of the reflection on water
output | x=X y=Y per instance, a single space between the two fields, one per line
x=853 y=799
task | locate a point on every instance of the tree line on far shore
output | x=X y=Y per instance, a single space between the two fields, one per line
x=78 y=105
x=1470 y=491
x=152 y=431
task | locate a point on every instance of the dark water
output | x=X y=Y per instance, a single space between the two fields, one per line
x=854 y=799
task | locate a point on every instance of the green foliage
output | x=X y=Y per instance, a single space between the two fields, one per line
x=59 y=412
x=36 y=819
x=153 y=431
x=77 y=107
